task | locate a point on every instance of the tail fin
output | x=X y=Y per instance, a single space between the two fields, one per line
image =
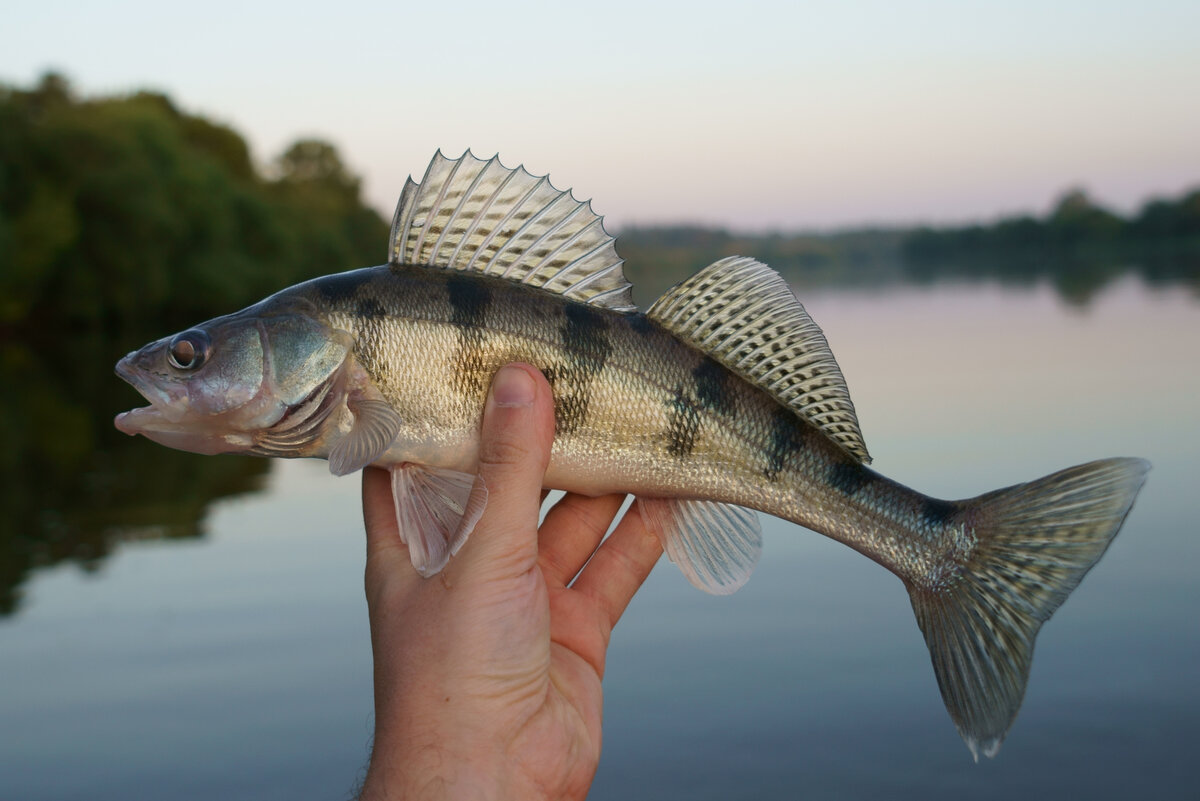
x=1033 y=544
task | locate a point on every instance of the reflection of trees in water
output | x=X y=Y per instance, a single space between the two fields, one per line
x=1079 y=247
x=72 y=486
x=1078 y=274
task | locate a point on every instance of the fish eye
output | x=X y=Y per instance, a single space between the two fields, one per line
x=188 y=350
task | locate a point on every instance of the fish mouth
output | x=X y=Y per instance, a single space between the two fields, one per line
x=169 y=419
x=165 y=420
x=146 y=418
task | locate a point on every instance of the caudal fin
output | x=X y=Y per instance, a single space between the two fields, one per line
x=1033 y=544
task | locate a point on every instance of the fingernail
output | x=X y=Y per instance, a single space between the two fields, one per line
x=512 y=387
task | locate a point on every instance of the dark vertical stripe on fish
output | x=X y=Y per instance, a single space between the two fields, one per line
x=586 y=346
x=640 y=323
x=786 y=438
x=683 y=424
x=936 y=513
x=370 y=309
x=709 y=391
x=712 y=386
x=848 y=478
x=469 y=301
x=340 y=289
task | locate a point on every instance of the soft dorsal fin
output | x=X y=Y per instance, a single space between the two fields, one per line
x=741 y=312
x=476 y=215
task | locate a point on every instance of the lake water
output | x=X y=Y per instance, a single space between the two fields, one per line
x=236 y=664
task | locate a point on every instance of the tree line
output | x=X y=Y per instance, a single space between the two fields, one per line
x=121 y=212
x=1079 y=245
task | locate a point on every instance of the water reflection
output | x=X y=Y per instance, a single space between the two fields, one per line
x=1023 y=254
x=72 y=486
x=1077 y=278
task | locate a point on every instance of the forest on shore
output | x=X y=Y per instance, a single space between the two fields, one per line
x=1079 y=246
x=122 y=212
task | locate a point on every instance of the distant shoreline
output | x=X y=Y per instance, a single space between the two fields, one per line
x=1079 y=246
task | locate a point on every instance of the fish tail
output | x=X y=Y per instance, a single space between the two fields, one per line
x=1033 y=544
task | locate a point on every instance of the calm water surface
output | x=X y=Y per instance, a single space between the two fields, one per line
x=236 y=665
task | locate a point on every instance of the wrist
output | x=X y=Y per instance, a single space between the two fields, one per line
x=439 y=773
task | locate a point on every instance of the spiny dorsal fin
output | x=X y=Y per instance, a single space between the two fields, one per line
x=476 y=215
x=741 y=312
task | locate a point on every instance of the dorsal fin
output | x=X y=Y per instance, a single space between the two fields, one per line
x=476 y=215
x=741 y=312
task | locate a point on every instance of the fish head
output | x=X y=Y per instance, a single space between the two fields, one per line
x=216 y=386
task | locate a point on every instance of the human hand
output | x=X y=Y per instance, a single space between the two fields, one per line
x=487 y=676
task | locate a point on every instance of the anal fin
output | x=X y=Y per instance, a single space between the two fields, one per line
x=436 y=510
x=715 y=545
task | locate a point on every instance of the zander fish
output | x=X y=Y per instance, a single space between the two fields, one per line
x=723 y=397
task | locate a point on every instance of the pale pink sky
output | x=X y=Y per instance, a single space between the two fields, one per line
x=753 y=114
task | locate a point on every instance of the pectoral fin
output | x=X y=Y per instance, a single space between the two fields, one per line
x=436 y=510
x=715 y=545
x=375 y=427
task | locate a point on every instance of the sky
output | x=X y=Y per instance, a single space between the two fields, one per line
x=754 y=115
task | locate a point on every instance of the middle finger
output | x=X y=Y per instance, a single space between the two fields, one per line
x=570 y=533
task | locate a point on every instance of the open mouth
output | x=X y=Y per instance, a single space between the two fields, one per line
x=170 y=419
x=146 y=418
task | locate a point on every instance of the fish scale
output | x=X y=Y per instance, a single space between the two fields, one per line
x=723 y=397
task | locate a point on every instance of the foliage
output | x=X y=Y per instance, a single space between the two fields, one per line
x=124 y=212
x=659 y=257
x=1080 y=246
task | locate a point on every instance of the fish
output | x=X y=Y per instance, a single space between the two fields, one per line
x=721 y=400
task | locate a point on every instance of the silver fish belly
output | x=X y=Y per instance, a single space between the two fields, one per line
x=723 y=397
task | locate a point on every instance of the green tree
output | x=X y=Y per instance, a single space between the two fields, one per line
x=121 y=212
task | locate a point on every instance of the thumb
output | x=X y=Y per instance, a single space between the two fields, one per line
x=514 y=450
